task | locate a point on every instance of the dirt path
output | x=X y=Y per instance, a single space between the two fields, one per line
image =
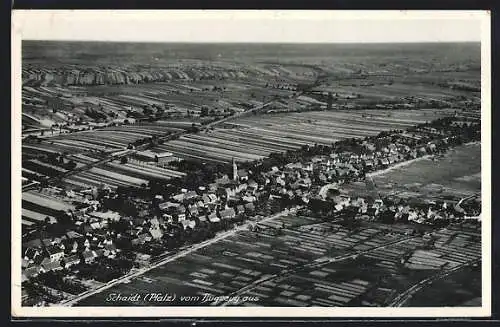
x=398 y=165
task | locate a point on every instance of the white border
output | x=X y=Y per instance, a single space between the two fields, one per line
x=20 y=18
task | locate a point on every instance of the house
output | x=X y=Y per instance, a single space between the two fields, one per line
x=25 y=263
x=393 y=159
x=150 y=156
x=358 y=202
x=384 y=162
x=98 y=253
x=71 y=261
x=206 y=199
x=193 y=211
x=378 y=203
x=48 y=265
x=249 y=207
x=227 y=213
x=72 y=235
x=144 y=237
x=240 y=208
x=431 y=147
x=110 y=250
x=138 y=221
x=179 y=197
x=155 y=223
x=242 y=174
x=213 y=217
x=156 y=233
x=305 y=182
x=230 y=192
x=89 y=256
x=54 y=252
x=249 y=198
x=32 y=271
x=252 y=186
x=190 y=195
x=369 y=164
x=111 y=215
x=31 y=253
x=338 y=207
x=212 y=187
x=185 y=224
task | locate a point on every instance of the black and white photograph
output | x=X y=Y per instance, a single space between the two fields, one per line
x=251 y=163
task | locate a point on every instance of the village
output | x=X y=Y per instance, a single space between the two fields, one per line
x=114 y=231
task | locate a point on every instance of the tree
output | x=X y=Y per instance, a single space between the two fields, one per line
x=204 y=111
x=123 y=160
x=194 y=128
x=71 y=165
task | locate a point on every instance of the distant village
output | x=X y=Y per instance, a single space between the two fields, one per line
x=114 y=231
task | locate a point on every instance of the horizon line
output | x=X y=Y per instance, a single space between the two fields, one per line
x=257 y=42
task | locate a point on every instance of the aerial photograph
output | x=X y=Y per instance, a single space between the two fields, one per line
x=327 y=174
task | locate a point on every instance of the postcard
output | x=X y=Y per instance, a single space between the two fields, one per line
x=251 y=163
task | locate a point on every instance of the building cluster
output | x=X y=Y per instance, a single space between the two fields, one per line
x=315 y=180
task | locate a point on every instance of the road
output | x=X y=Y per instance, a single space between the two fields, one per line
x=138 y=148
x=398 y=165
x=161 y=138
x=287 y=272
x=82 y=168
x=402 y=298
x=182 y=253
x=223 y=120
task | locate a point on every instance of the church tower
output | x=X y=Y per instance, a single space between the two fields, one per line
x=235 y=171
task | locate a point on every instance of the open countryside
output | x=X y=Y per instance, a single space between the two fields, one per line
x=251 y=174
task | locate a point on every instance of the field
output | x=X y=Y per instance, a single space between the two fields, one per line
x=456 y=175
x=115 y=174
x=459 y=289
x=38 y=206
x=299 y=261
x=255 y=137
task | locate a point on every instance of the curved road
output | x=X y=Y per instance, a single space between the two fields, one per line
x=402 y=298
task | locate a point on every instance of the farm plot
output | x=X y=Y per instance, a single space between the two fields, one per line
x=143 y=171
x=238 y=261
x=214 y=151
x=97 y=176
x=106 y=138
x=257 y=136
x=36 y=207
x=46 y=201
x=385 y=90
x=34 y=151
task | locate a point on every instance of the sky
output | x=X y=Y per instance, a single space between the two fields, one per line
x=251 y=26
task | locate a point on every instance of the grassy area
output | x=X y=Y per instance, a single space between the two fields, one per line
x=455 y=175
x=462 y=288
